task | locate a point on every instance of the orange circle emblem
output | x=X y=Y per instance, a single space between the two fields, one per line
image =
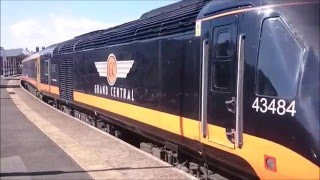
x=111 y=69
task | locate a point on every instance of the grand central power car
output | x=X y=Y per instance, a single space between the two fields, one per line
x=234 y=84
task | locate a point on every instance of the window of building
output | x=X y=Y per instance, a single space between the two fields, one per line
x=279 y=60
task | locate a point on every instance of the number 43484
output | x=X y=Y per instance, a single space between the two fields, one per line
x=275 y=106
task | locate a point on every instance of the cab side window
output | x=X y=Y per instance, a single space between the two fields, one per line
x=279 y=59
x=223 y=44
x=223 y=54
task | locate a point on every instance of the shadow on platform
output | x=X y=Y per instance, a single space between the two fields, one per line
x=42 y=173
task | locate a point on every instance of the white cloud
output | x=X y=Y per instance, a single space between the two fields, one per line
x=30 y=33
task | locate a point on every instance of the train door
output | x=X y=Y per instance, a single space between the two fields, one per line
x=220 y=82
x=38 y=73
x=47 y=73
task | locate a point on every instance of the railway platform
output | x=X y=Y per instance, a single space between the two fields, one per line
x=27 y=153
x=10 y=82
x=75 y=148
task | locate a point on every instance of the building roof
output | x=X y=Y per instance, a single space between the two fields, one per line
x=14 y=52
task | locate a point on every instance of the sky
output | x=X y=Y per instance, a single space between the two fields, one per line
x=27 y=24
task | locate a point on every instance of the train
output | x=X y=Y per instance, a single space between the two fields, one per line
x=234 y=84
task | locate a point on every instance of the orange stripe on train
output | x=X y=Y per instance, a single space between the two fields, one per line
x=289 y=164
x=50 y=89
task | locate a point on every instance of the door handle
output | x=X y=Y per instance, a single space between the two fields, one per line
x=231 y=105
x=239 y=92
x=230 y=135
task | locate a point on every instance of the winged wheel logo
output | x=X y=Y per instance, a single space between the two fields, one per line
x=113 y=69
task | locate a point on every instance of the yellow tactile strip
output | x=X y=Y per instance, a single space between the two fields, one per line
x=86 y=155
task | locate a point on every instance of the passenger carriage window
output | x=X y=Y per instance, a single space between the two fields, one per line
x=279 y=60
x=223 y=54
x=46 y=67
x=53 y=68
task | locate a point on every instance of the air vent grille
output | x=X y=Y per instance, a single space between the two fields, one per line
x=56 y=50
x=84 y=45
x=101 y=40
x=67 y=47
x=66 y=79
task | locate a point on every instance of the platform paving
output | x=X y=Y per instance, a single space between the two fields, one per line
x=27 y=153
x=101 y=155
x=10 y=82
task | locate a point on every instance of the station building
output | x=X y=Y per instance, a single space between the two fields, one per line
x=10 y=61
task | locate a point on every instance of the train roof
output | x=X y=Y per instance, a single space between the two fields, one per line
x=90 y=33
x=221 y=5
x=175 y=18
x=32 y=56
x=169 y=8
x=217 y=6
x=49 y=49
x=178 y=17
